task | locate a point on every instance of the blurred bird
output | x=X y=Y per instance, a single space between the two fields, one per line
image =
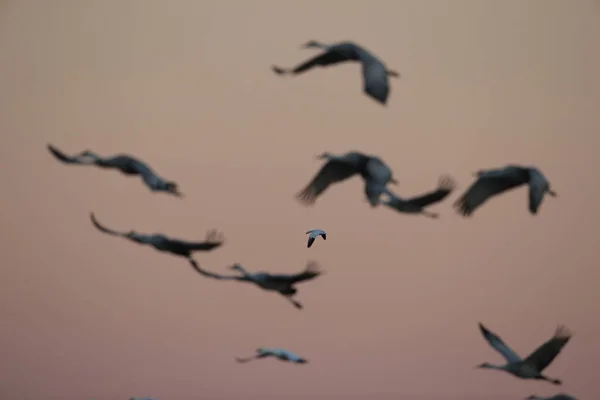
x=373 y=170
x=416 y=205
x=495 y=181
x=283 y=355
x=560 y=396
x=281 y=283
x=163 y=243
x=314 y=234
x=375 y=74
x=533 y=365
x=126 y=164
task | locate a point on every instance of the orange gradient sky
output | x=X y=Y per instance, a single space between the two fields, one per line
x=186 y=85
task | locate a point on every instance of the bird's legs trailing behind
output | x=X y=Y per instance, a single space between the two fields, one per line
x=247 y=359
x=393 y=73
x=291 y=300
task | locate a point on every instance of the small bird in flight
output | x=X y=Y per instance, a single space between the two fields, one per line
x=314 y=234
x=283 y=355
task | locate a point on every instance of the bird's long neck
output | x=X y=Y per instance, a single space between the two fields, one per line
x=243 y=271
x=493 y=366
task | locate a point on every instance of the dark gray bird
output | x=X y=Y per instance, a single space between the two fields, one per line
x=373 y=170
x=281 y=283
x=560 y=396
x=416 y=205
x=281 y=354
x=314 y=234
x=495 y=181
x=375 y=74
x=533 y=365
x=126 y=164
x=165 y=244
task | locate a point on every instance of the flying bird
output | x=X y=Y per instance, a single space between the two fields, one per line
x=533 y=365
x=281 y=283
x=126 y=164
x=314 y=234
x=416 y=205
x=283 y=355
x=492 y=182
x=375 y=173
x=560 y=396
x=165 y=244
x=375 y=74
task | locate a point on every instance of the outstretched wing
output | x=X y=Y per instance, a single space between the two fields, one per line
x=208 y=274
x=213 y=240
x=543 y=355
x=445 y=186
x=499 y=345
x=325 y=59
x=62 y=157
x=104 y=229
x=486 y=186
x=333 y=171
x=537 y=189
x=312 y=271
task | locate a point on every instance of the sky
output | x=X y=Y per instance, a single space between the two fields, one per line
x=186 y=86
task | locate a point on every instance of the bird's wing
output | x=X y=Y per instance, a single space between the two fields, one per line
x=312 y=271
x=325 y=59
x=543 y=355
x=484 y=188
x=324 y=235
x=375 y=80
x=208 y=274
x=537 y=188
x=104 y=229
x=311 y=240
x=333 y=171
x=213 y=240
x=445 y=187
x=499 y=345
x=62 y=157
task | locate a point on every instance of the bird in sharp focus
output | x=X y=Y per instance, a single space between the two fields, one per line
x=124 y=163
x=281 y=354
x=492 y=182
x=416 y=205
x=281 y=283
x=375 y=173
x=374 y=72
x=534 y=364
x=166 y=244
x=314 y=234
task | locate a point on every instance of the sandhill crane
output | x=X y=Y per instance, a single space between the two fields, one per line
x=281 y=283
x=416 y=205
x=314 y=234
x=373 y=170
x=163 y=243
x=533 y=365
x=495 y=181
x=126 y=164
x=375 y=74
x=560 y=396
x=283 y=355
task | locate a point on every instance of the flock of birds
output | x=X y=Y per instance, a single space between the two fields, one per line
x=377 y=175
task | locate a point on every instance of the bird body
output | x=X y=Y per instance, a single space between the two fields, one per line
x=374 y=72
x=533 y=365
x=416 y=205
x=492 y=182
x=314 y=234
x=281 y=283
x=126 y=164
x=375 y=173
x=560 y=396
x=164 y=243
x=281 y=354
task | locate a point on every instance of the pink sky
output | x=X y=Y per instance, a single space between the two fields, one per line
x=186 y=86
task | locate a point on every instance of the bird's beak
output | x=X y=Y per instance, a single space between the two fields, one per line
x=552 y=193
x=393 y=181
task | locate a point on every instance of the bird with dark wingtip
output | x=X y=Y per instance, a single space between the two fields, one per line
x=532 y=366
x=163 y=243
x=375 y=73
x=493 y=182
x=280 y=283
x=375 y=173
x=126 y=164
